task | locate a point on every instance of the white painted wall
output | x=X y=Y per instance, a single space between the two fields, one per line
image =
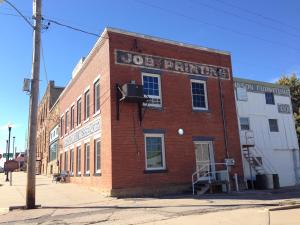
x=276 y=148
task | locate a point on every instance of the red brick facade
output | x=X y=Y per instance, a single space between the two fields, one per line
x=123 y=167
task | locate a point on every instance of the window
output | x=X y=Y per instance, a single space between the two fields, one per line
x=53 y=151
x=155 y=151
x=62 y=125
x=97 y=156
x=87 y=158
x=78 y=111
x=152 y=89
x=72 y=117
x=66 y=162
x=273 y=125
x=60 y=161
x=87 y=105
x=96 y=96
x=66 y=121
x=241 y=94
x=270 y=98
x=72 y=161
x=199 y=95
x=78 y=169
x=244 y=122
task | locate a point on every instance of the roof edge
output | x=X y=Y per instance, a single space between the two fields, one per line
x=167 y=41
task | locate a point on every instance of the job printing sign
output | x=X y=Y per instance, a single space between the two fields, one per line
x=262 y=88
x=174 y=65
x=84 y=132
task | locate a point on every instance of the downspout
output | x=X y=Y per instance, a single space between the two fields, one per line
x=223 y=115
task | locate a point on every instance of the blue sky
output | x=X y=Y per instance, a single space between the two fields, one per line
x=262 y=36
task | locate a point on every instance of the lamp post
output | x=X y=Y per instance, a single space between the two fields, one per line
x=14 y=138
x=8 y=148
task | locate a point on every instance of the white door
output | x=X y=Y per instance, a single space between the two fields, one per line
x=204 y=158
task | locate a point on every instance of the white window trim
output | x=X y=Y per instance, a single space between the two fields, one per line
x=98 y=111
x=205 y=90
x=74 y=125
x=162 y=136
x=159 y=89
x=78 y=172
x=85 y=160
x=98 y=170
x=79 y=124
x=84 y=111
x=96 y=79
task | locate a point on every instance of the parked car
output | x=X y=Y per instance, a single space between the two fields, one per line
x=1 y=170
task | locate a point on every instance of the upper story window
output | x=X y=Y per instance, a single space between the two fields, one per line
x=72 y=117
x=155 y=151
x=270 y=98
x=273 y=124
x=86 y=105
x=66 y=121
x=61 y=125
x=241 y=94
x=245 y=124
x=152 y=89
x=78 y=111
x=199 y=94
x=96 y=96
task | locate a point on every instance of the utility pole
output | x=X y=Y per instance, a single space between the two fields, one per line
x=30 y=190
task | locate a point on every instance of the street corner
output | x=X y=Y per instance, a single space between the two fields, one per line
x=3 y=211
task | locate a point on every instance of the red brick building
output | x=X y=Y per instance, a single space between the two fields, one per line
x=124 y=149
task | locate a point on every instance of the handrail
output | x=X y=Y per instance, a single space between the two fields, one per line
x=207 y=173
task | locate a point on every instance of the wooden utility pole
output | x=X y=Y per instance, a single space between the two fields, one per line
x=30 y=190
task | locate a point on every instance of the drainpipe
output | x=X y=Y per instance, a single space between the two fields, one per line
x=223 y=115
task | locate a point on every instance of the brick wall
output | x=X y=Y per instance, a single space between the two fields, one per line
x=128 y=152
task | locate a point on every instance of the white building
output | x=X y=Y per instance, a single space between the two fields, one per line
x=266 y=122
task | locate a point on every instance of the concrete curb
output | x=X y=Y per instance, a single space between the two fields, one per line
x=285 y=207
x=4 y=211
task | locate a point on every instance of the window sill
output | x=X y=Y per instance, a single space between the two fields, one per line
x=96 y=113
x=97 y=174
x=202 y=110
x=86 y=175
x=87 y=120
x=155 y=171
x=78 y=175
x=158 y=108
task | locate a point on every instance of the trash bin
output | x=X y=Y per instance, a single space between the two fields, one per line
x=269 y=181
x=261 y=182
x=276 y=181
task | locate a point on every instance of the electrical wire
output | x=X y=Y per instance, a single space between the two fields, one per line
x=44 y=63
x=247 y=19
x=257 y=14
x=195 y=19
x=70 y=27
x=20 y=13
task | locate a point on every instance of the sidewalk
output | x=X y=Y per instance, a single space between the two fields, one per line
x=84 y=206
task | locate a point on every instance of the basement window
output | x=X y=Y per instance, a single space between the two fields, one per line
x=152 y=89
x=155 y=152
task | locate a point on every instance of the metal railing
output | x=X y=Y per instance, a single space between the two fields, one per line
x=211 y=175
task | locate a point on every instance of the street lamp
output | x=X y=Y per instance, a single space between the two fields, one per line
x=8 y=148
x=14 y=147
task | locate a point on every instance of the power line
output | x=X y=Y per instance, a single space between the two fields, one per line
x=44 y=63
x=20 y=13
x=247 y=19
x=218 y=26
x=71 y=27
x=258 y=14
